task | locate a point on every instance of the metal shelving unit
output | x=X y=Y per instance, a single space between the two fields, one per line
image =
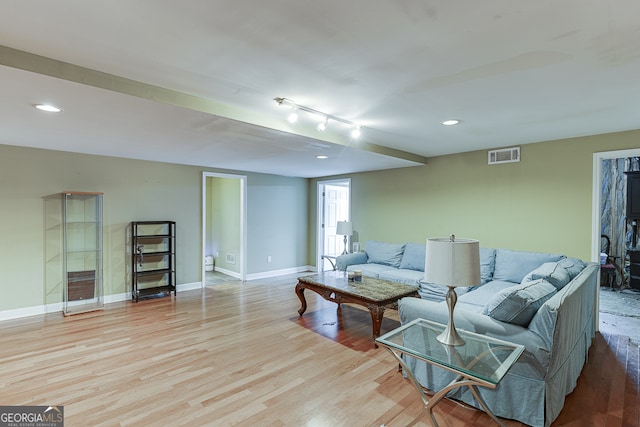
x=153 y=259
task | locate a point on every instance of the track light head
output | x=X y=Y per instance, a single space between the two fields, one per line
x=322 y=126
x=293 y=117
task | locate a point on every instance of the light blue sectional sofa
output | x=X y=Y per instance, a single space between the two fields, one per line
x=545 y=302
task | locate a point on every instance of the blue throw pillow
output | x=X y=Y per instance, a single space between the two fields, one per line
x=384 y=253
x=414 y=256
x=518 y=304
x=487 y=264
x=552 y=272
x=512 y=266
x=572 y=265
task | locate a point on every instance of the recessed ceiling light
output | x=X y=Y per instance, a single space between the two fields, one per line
x=321 y=157
x=451 y=122
x=48 y=107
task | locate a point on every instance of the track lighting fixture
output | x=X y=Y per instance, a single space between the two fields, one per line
x=323 y=125
x=355 y=133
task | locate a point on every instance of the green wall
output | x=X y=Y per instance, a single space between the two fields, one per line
x=278 y=223
x=543 y=203
x=134 y=190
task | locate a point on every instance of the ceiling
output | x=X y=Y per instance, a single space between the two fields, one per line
x=193 y=82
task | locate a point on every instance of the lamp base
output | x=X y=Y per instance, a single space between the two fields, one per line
x=450 y=336
x=345 y=246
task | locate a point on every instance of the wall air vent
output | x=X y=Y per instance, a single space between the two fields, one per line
x=504 y=155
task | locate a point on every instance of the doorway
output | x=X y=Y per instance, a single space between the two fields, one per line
x=334 y=204
x=597 y=194
x=224 y=224
x=597 y=222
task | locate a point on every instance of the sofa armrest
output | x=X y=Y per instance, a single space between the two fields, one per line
x=567 y=321
x=344 y=261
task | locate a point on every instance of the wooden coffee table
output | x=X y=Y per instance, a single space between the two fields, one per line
x=374 y=294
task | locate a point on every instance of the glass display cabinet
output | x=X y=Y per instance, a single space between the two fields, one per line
x=73 y=251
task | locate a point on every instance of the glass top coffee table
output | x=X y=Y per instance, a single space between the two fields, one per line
x=480 y=361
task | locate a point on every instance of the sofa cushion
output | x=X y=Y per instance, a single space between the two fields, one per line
x=437 y=293
x=487 y=264
x=512 y=266
x=371 y=270
x=552 y=272
x=518 y=304
x=413 y=257
x=573 y=266
x=481 y=295
x=408 y=277
x=384 y=253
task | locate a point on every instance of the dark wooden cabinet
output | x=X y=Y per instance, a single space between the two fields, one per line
x=634 y=268
x=153 y=259
x=633 y=195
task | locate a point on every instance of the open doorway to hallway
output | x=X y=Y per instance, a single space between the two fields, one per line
x=618 y=302
x=224 y=223
x=334 y=205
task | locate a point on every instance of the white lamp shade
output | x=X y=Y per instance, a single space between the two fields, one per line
x=344 y=228
x=452 y=263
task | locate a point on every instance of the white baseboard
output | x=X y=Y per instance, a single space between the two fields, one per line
x=30 y=311
x=268 y=274
x=19 y=313
x=282 y=272
x=189 y=286
x=228 y=272
x=108 y=299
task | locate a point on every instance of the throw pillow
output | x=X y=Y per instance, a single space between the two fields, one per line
x=518 y=304
x=384 y=253
x=512 y=266
x=487 y=264
x=414 y=256
x=573 y=266
x=552 y=272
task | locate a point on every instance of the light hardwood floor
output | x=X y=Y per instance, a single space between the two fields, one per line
x=239 y=354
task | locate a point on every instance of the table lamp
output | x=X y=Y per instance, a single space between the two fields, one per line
x=452 y=262
x=345 y=228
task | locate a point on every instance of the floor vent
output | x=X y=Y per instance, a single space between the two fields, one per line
x=504 y=155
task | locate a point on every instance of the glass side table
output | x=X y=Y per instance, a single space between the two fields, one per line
x=480 y=361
